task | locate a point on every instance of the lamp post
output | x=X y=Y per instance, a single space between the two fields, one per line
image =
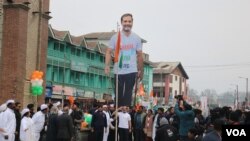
x=64 y=60
x=237 y=95
x=246 y=99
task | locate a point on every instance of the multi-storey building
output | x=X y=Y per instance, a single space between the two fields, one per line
x=75 y=67
x=169 y=80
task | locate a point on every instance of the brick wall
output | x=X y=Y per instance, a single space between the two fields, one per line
x=1 y=31
x=20 y=51
x=14 y=45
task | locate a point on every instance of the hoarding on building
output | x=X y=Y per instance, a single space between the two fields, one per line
x=59 y=89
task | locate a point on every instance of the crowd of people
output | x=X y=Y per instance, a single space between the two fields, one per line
x=51 y=122
x=54 y=122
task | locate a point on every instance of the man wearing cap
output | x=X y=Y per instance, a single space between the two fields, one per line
x=9 y=121
x=166 y=132
x=111 y=136
x=3 y=107
x=106 y=112
x=39 y=121
x=26 y=133
x=58 y=106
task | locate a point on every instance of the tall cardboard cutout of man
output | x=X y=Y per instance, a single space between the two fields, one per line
x=130 y=64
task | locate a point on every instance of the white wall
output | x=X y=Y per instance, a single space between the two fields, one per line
x=175 y=84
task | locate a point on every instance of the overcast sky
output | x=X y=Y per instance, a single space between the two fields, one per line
x=211 y=38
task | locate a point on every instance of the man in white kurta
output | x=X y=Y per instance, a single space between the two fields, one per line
x=9 y=121
x=154 y=127
x=39 y=120
x=3 y=107
x=26 y=132
x=106 y=134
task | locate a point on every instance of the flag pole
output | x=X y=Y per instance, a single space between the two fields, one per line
x=116 y=93
x=136 y=85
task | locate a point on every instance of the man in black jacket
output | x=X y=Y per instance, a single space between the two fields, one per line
x=18 y=120
x=139 y=120
x=166 y=132
x=99 y=124
x=64 y=125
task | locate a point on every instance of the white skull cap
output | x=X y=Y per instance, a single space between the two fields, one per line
x=10 y=101
x=43 y=106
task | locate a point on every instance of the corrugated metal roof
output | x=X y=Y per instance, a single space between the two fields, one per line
x=168 y=67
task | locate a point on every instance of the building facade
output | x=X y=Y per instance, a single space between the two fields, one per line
x=75 y=67
x=169 y=80
x=23 y=47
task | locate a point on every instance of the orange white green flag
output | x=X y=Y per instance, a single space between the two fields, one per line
x=117 y=47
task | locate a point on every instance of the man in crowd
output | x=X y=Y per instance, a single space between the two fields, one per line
x=215 y=134
x=64 y=125
x=99 y=124
x=124 y=126
x=9 y=121
x=166 y=132
x=18 y=119
x=106 y=112
x=139 y=120
x=186 y=115
x=31 y=108
x=39 y=121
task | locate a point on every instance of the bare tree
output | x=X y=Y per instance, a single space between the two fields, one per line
x=193 y=95
x=212 y=96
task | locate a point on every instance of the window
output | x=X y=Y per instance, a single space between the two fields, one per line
x=55 y=73
x=88 y=55
x=100 y=82
x=176 y=78
x=78 y=52
x=91 y=80
x=56 y=46
x=171 y=78
x=53 y=76
x=102 y=59
x=86 y=80
x=175 y=92
x=170 y=90
x=61 y=75
x=75 y=77
x=183 y=79
x=62 y=46
x=73 y=50
x=92 y=55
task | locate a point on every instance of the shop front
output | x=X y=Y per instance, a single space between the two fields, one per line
x=61 y=93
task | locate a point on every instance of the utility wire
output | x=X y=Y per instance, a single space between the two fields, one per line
x=205 y=68
x=221 y=65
